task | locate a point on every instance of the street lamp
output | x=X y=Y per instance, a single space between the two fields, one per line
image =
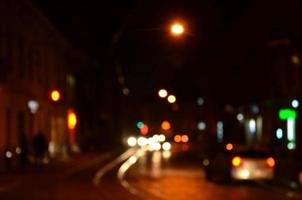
x=162 y=93
x=171 y=99
x=177 y=29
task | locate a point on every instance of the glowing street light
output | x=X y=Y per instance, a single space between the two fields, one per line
x=177 y=29
x=162 y=93
x=55 y=95
x=171 y=99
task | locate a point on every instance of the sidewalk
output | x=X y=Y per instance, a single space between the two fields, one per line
x=67 y=167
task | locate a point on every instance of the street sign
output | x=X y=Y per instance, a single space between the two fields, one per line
x=287 y=113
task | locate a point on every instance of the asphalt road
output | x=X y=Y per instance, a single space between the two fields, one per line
x=152 y=176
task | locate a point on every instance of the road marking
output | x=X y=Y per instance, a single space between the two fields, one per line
x=125 y=167
x=98 y=176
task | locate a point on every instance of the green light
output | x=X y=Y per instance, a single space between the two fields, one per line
x=285 y=114
x=139 y=125
x=291 y=145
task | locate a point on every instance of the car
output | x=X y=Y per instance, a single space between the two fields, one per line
x=240 y=164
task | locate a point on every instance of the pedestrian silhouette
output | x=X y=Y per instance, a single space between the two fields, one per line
x=24 y=150
x=40 y=148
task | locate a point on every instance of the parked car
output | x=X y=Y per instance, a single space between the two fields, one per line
x=241 y=164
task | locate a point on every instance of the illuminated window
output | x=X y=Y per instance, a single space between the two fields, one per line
x=252 y=126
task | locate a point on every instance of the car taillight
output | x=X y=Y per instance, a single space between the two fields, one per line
x=236 y=161
x=270 y=162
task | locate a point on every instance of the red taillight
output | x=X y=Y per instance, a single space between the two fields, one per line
x=236 y=161
x=270 y=162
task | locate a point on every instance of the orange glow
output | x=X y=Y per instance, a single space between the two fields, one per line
x=72 y=120
x=165 y=125
x=236 y=161
x=185 y=138
x=270 y=162
x=177 y=29
x=229 y=147
x=55 y=95
x=177 y=138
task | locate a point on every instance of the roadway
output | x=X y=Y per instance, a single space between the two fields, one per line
x=135 y=175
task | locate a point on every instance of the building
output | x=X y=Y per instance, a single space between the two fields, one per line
x=33 y=61
x=259 y=61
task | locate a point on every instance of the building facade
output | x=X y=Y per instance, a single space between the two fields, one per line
x=33 y=62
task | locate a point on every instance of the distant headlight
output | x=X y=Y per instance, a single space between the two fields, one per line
x=131 y=141
x=142 y=141
x=166 y=146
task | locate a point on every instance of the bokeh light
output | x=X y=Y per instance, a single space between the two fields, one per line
x=171 y=99
x=162 y=93
x=165 y=125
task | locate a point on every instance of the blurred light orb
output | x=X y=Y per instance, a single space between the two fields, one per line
x=144 y=129
x=18 y=150
x=33 y=106
x=167 y=154
x=252 y=126
x=240 y=117
x=229 y=146
x=126 y=91
x=171 y=99
x=201 y=126
x=177 y=29
x=206 y=162
x=291 y=146
x=55 y=95
x=279 y=133
x=166 y=146
x=156 y=138
x=131 y=141
x=139 y=124
x=177 y=138
x=295 y=59
x=162 y=93
x=161 y=137
x=142 y=141
x=255 y=109
x=185 y=138
x=200 y=101
x=295 y=103
x=156 y=146
x=165 y=125
x=9 y=154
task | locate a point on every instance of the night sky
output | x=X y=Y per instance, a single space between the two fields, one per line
x=215 y=60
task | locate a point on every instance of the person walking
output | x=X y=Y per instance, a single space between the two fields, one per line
x=40 y=148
